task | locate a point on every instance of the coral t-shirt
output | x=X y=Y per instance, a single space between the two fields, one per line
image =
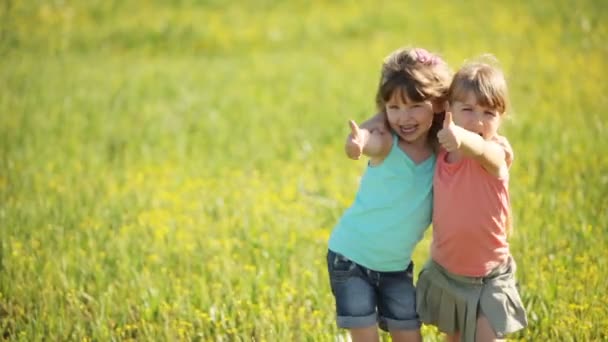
x=470 y=215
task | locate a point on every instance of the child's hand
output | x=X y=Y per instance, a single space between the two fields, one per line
x=449 y=136
x=354 y=142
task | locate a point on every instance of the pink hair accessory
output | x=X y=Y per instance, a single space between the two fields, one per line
x=425 y=57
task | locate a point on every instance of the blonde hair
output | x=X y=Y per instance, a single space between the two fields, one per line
x=485 y=80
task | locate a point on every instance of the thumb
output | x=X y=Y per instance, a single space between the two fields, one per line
x=447 y=121
x=354 y=129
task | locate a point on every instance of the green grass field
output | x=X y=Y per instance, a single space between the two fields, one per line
x=173 y=172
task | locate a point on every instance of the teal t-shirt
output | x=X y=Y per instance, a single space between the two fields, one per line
x=391 y=211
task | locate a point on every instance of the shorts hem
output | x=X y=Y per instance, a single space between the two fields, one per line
x=349 y=322
x=393 y=324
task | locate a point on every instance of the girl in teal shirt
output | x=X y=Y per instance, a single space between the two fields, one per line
x=369 y=257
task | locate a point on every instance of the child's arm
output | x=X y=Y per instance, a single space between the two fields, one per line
x=372 y=139
x=489 y=154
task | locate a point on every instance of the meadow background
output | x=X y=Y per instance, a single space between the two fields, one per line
x=171 y=170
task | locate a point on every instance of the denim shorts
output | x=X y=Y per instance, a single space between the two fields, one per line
x=365 y=297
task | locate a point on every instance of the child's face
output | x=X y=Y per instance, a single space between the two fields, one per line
x=410 y=120
x=472 y=116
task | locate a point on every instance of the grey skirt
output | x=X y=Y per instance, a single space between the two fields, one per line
x=452 y=303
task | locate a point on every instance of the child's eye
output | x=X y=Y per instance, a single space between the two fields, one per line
x=466 y=109
x=490 y=113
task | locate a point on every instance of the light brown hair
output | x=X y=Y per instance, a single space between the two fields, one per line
x=485 y=80
x=419 y=75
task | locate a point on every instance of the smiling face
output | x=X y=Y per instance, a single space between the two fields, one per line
x=469 y=114
x=410 y=120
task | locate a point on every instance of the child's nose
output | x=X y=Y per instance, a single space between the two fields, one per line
x=475 y=122
x=479 y=118
x=401 y=117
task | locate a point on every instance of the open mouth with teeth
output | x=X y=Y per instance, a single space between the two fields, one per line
x=408 y=129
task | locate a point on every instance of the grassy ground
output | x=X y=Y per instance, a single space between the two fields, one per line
x=173 y=171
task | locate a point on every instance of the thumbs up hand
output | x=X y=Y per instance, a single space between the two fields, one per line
x=354 y=142
x=449 y=136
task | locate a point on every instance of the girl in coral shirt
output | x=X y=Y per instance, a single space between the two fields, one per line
x=468 y=289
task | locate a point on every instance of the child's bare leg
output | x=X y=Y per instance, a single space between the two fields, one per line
x=369 y=334
x=484 y=330
x=406 y=335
